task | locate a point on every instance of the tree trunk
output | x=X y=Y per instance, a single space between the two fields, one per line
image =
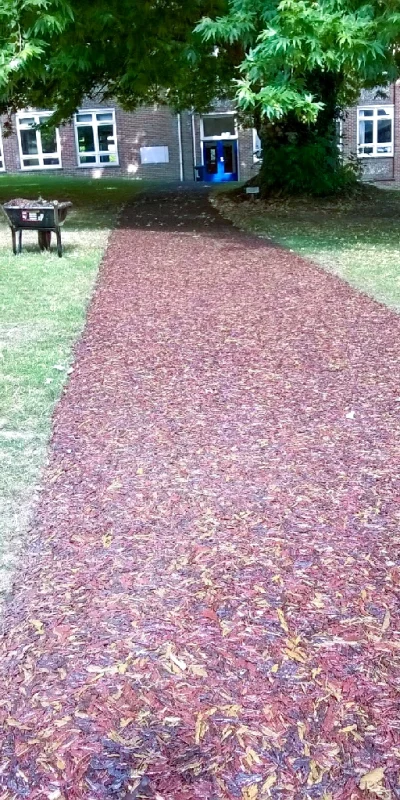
x=298 y=157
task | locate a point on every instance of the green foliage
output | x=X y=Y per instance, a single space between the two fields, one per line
x=285 y=42
x=313 y=168
x=301 y=62
x=55 y=52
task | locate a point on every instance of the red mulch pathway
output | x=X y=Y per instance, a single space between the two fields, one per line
x=209 y=604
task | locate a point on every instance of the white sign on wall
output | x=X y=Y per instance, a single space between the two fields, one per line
x=154 y=155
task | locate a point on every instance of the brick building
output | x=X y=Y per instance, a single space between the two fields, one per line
x=153 y=143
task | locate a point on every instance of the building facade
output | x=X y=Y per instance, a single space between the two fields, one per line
x=154 y=143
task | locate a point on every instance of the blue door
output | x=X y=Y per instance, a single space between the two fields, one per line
x=220 y=161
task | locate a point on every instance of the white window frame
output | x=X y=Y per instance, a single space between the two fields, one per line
x=40 y=156
x=256 y=147
x=374 y=119
x=2 y=162
x=95 y=125
x=218 y=138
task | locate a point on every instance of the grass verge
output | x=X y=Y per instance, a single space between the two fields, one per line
x=357 y=238
x=43 y=300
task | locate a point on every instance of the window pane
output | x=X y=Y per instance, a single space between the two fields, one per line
x=109 y=159
x=29 y=121
x=219 y=126
x=383 y=112
x=84 y=117
x=31 y=162
x=106 y=137
x=104 y=115
x=49 y=141
x=366 y=132
x=29 y=143
x=211 y=159
x=384 y=130
x=85 y=139
x=51 y=161
x=366 y=112
x=1 y=163
x=87 y=159
x=229 y=158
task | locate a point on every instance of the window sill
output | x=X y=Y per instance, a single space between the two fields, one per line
x=375 y=155
x=96 y=166
x=46 y=167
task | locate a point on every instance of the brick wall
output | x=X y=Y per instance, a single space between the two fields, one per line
x=152 y=126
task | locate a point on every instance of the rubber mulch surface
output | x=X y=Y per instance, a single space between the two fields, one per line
x=209 y=604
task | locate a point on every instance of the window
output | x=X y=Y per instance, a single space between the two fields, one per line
x=219 y=126
x=256 y=147
x=154 y=155
x=39 y=149
x=375 y=131
x=96 y=138
x=2 y=167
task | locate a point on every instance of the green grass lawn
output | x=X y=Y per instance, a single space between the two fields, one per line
x=357 y=239
x=43 y=300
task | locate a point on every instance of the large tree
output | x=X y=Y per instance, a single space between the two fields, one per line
x=301 y=63
x=291 y=65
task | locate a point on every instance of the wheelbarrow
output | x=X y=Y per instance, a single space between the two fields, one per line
x=40 y=215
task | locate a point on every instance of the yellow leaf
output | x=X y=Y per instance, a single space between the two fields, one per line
x=198 y=669
x=250 y=792
x=315 y=672
x=107 y=539
x=301 y=730
x=282 y=620
x=296 y=655
x=386 y=621
x=139 y=471
x=269 y=783
x=38 y=625
x=318 y=601
x=116 y=484
x=231 y=711
x=372 y=779
x=60 y=764
x=201 y=728
x=348 y=729
x=275 y=668
x=226 y=732
x=252 y=757
x=13 y=723
x=364 y=594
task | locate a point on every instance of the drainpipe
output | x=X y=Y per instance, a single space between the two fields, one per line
x=179 y=119
x=194 y=143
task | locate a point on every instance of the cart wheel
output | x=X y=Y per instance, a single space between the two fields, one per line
x=44 y=239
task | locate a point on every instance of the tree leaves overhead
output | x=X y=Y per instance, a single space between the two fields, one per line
x=54 y=52
x=287 y=42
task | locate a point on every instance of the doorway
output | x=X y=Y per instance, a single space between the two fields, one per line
x=220 y=161
x=219 y=147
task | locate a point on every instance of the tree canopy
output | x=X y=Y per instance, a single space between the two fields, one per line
x=55 y=52
x=290 y=65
